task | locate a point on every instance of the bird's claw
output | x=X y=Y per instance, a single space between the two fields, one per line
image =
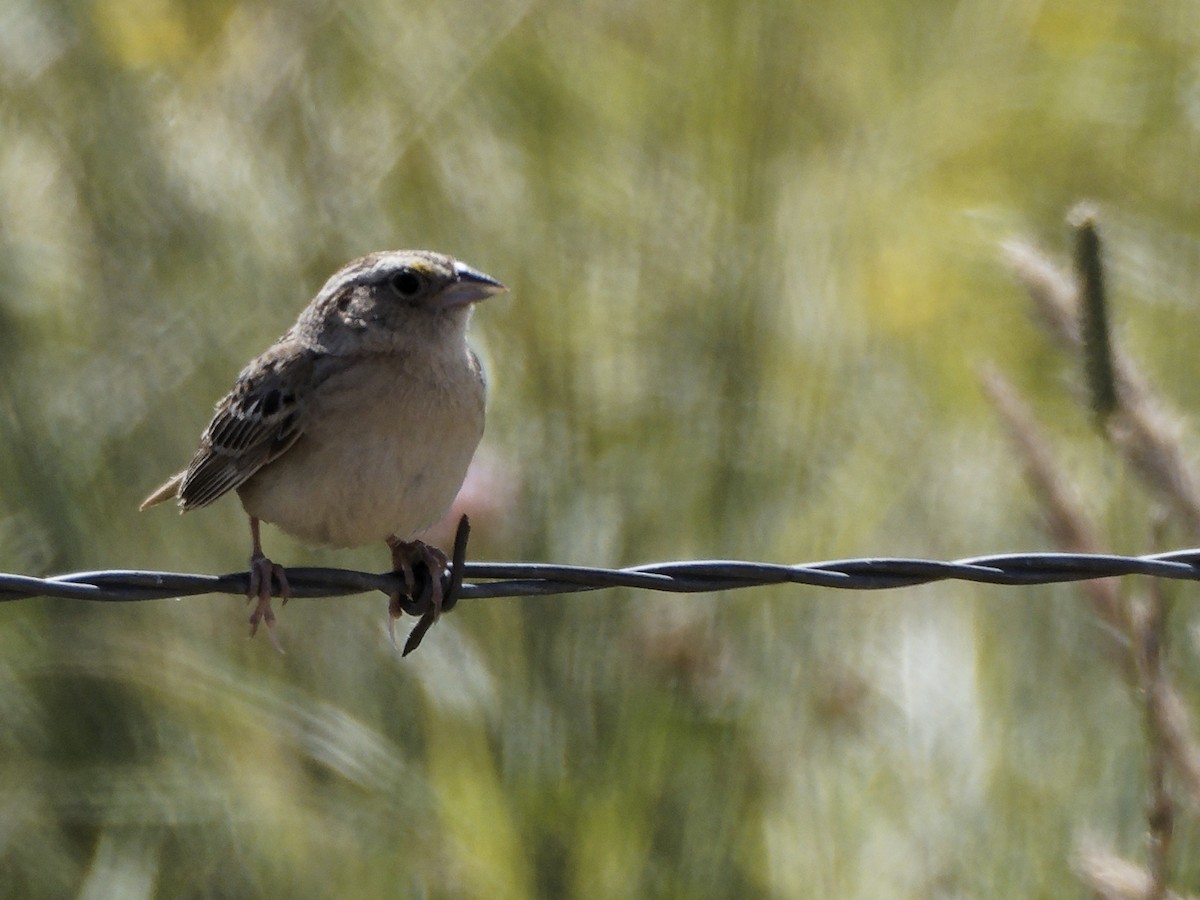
x=262 y=572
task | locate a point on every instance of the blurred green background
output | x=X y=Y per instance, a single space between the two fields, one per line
x=753 y=254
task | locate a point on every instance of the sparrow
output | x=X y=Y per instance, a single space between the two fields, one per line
x=357 y=425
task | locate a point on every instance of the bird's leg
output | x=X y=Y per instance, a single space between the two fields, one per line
x=404 y=555
x=262 y=570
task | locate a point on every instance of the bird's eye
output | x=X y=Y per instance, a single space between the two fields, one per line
x=407 y=283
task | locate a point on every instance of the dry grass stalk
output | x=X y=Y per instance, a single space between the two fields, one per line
x=1110 y=877
x=1149 y=438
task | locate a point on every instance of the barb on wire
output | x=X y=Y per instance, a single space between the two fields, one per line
x=483 y=580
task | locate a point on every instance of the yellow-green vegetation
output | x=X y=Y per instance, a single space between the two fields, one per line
x=754 y=255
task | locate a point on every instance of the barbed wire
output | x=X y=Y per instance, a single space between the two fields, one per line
x=486 y=580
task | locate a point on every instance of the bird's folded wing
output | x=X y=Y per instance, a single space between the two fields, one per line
x=254 y=424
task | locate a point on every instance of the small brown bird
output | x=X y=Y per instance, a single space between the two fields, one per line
x=358 y=424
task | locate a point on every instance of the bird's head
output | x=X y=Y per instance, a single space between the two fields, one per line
x=399 y=296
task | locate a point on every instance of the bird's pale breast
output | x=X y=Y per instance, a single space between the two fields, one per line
x=384 y=451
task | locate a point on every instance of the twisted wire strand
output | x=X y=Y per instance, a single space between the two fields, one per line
x=483 y=580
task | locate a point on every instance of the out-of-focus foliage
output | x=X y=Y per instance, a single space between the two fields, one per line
x=753 y=257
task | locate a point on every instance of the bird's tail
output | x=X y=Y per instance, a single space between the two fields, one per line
x=168 y=490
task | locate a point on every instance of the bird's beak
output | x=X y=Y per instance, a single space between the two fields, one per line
x=469 y=286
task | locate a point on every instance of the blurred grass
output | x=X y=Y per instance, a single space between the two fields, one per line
x=753 y=257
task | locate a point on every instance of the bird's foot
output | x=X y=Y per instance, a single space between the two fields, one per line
x=423 y=567
x=417 y=562
x=262 y=571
